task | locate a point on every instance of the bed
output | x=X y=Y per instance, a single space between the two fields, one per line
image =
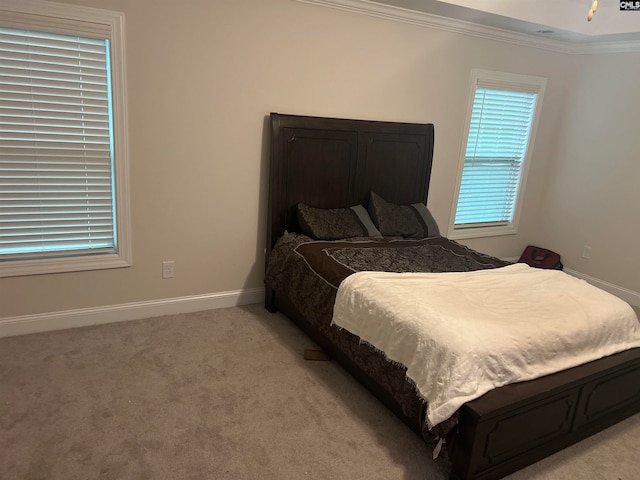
x=328 y=163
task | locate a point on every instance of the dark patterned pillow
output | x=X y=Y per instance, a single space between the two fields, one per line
x=336 y=223
x=408 y=221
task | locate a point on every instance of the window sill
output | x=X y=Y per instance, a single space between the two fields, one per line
x=61 y=265
x=479 y=232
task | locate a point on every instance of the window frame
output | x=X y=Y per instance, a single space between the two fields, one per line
x=71 y=19
x=498 y=81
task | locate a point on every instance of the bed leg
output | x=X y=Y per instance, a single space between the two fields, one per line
x=269 y=300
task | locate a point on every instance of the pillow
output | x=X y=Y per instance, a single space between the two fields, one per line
x=337 y=223
x=408 y=221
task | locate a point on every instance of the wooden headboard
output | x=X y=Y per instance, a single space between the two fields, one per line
x=334 y=163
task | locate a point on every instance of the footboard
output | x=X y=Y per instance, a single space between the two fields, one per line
x=516 y=425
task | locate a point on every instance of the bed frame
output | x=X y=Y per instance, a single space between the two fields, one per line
x=333 y=163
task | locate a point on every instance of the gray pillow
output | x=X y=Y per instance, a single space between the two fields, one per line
x=408 y=221
x=336 y=223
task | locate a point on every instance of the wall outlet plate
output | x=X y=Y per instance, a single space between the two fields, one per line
x=167 y=269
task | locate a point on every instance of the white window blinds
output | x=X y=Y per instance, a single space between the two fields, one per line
x=497 y=144
x=56 y=150
x=502 y=118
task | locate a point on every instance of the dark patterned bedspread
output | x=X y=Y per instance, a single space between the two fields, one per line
x=308 y=273
x=334 y=261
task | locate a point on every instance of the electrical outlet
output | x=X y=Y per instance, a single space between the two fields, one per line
x=586 y=252
x=167 y=269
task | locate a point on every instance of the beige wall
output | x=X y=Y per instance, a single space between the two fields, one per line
x=592 y=193
x=202 y=76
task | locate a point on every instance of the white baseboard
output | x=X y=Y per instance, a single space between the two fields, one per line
x=510 y=259
x=43 y=322
x=625 y=294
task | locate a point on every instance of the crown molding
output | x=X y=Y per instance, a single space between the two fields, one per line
x=422 y=19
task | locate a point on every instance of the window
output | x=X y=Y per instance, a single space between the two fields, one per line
x=63 y=151
x=500 y=131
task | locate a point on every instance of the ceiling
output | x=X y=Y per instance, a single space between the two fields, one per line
x=557 y=19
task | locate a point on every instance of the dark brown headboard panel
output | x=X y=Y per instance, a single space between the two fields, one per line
x=333 y=163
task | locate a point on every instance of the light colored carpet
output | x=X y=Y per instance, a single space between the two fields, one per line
x=222 y=394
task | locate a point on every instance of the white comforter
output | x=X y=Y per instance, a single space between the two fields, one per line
x=461 y=334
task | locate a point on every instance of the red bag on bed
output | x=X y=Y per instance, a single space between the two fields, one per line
x=541 y=258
